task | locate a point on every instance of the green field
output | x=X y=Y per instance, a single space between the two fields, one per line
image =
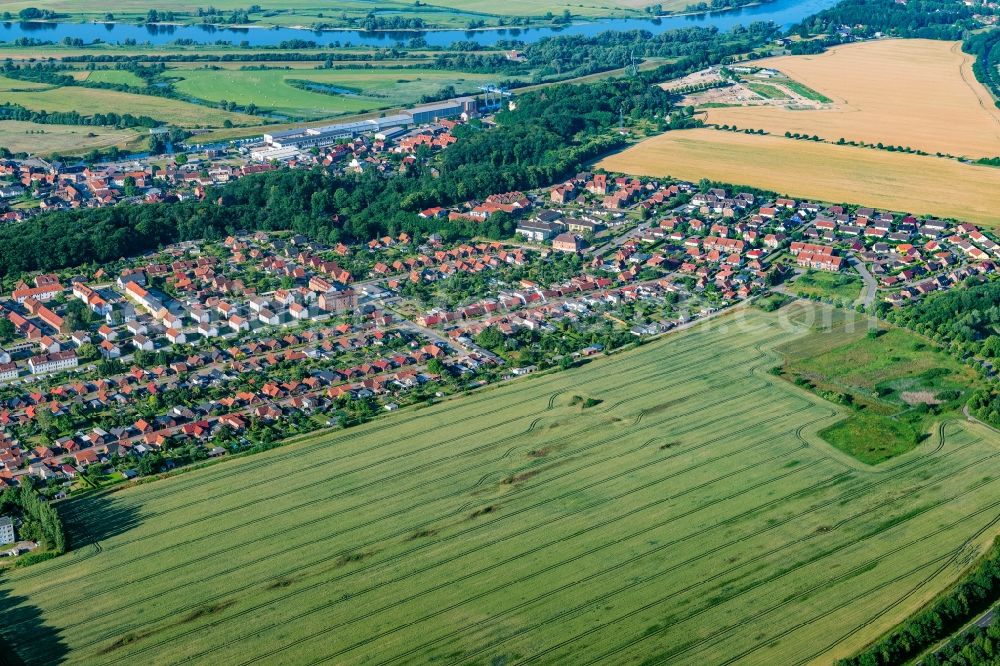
x=38 y=139
x=767 y=91
x=840 y=287
x=897 y=384
x=443 y=13
x=804 y=91
x=115 y=76
x=88 y=101
x=693 y=516
x=14 y=85
x=362 y=89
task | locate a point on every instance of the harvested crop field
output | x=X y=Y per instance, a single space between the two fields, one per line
x=904 y=92
x=894 y=181
x=693 y=516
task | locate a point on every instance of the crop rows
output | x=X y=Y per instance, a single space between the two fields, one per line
x=693 y=516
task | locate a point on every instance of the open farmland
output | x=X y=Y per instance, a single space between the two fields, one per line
x=692 y=516
x=336 y=91
x=17 y=136
x=894 y=181
x=446 y=13
x=117 y=76
x=88 y=101
x=914 y=92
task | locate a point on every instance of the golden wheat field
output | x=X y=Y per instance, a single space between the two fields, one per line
x=896 y=181
x=905 y=92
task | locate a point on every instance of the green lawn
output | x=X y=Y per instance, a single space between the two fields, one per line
x=693 y=516
x=874 y=438
x=346 y=90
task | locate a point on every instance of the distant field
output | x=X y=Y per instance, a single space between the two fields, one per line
x=693 y=516
x=351 y=90
x=242 y=132
x=917 y=93
x=114 y=76
x=92 y=100
x=878 y=178
x=446 y=13
x=8 y=85
x=35 y=138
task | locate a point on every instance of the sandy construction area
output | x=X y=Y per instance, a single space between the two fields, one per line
x=905 y=92
x=803 y=169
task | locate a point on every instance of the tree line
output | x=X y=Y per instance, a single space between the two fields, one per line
x=979 y=646
x=11 y=111
x=986 y=47
x=693 y=48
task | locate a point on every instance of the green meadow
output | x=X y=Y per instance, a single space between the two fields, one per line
x=321 y=93
x=895 y=383
x=839 y=287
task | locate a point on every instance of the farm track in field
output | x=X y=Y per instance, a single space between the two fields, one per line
x=391 y=424
x=536 y=549
x=743 y=537
x=409 y=529
x=692 y=516
x=314 y=501
x=545 y=545
x=716 y=636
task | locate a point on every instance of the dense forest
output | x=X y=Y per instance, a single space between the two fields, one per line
x=548 y=137
x=966 y=320
x=972 y=595
x=692 y=47
x=930 y=19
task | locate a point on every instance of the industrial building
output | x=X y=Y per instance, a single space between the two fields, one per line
x=325 y=135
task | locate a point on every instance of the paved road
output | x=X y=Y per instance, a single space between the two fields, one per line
x=617 y=241
x=867 y=296
x=435 y=335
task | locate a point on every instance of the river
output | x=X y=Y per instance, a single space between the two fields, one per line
x=782 y=12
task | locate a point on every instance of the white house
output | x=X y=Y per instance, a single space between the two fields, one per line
x=7 y=530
